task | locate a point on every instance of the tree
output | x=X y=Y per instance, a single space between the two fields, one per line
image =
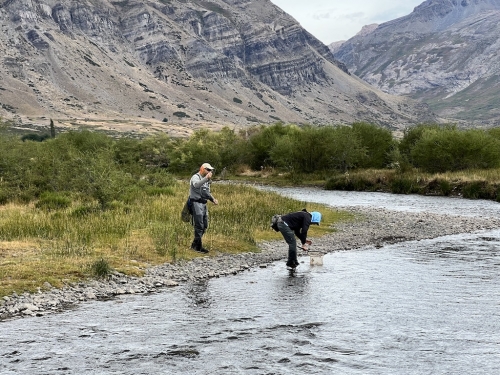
x=377 y=142
x=52 y=129
x=450 y=149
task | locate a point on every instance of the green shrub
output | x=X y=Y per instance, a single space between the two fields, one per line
x=35 y=137
x=445 y=187
x=100 y=268
x=261 y=141
x=411 y=137
x=339 y=182
x=4 y=197
x=351 y=183
x=450 y=149
x=82 y=211
x=479 y=190
x=361 y=183
x=309 y=149
x=402 y=185
x=53 y=201
x=180 y=114
x=377 y=143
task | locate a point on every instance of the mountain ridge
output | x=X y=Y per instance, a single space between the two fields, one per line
x=444 y=53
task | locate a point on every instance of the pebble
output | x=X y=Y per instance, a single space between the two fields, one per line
x=376 y=227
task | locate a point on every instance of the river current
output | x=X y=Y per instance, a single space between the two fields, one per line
x=422 y=307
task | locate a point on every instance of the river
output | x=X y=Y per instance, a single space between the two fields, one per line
x=422 y=307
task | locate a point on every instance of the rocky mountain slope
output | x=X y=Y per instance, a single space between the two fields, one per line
x=446 y=53
x=176 y=65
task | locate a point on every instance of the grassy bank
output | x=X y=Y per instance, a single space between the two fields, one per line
x=78 y=240
x=471 y=184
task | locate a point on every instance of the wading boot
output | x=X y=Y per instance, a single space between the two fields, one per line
x=196 y=246
x=202 y=249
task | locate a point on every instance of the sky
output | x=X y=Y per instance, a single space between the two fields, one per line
x=334 y=20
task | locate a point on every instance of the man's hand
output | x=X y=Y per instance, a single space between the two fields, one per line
x=309 y=242
x=216 y=201
x=209 y=175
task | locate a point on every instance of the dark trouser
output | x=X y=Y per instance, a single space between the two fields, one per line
x=289 y=237
x=200 y=223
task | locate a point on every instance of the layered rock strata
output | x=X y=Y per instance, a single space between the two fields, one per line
x=133 y=64
x=444 y=53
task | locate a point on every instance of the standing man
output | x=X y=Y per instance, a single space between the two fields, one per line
x=199 y=192
x=297 y=224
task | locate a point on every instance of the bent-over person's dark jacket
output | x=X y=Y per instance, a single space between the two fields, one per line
x=299 y=222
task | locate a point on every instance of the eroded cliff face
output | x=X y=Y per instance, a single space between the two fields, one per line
x=446 y=53
x=177 y=64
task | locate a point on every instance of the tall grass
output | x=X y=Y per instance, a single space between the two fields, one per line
x=66 y=244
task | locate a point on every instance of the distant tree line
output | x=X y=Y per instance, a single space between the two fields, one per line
x=105 y=169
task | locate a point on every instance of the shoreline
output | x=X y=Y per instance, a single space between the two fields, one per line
x=374 y=227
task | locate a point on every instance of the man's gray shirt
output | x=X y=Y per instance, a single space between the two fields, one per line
x=199 y=188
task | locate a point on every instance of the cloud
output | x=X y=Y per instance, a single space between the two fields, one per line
x=321 y=16
x=354 y=16
x=336 y=15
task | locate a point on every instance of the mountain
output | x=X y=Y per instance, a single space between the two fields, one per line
x=176 y=65
x=365 y=30
x=446 y=53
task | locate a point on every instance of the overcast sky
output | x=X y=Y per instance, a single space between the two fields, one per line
x=334 y=20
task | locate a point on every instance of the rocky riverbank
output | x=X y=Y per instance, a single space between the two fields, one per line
x=374 y=227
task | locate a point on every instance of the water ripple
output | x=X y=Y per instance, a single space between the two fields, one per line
x=419 y=308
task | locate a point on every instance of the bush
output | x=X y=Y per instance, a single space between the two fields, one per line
x=377 y=143
x=445 y=187
x=351 y=183
x=53 y=201
x=260 y=141
x=82 y=211
x=100 y=268
x=309 y=149
x=411 y=137
x=338 y=182
x=180 y=114
x=479 y=190
x=222 y=149
x=403 y=185
x=450 y=149
x=35 y=137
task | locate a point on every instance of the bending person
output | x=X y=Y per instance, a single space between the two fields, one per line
x=296 y=224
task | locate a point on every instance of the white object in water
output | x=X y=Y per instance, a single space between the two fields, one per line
x=316 y=258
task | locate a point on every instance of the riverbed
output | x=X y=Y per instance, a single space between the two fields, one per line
x=421 y=306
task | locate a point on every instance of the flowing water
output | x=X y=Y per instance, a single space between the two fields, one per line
x=423 y=307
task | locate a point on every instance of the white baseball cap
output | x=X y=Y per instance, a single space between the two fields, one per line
x=207 y=166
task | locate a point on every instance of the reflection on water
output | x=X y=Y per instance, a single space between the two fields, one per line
x=424 y=307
